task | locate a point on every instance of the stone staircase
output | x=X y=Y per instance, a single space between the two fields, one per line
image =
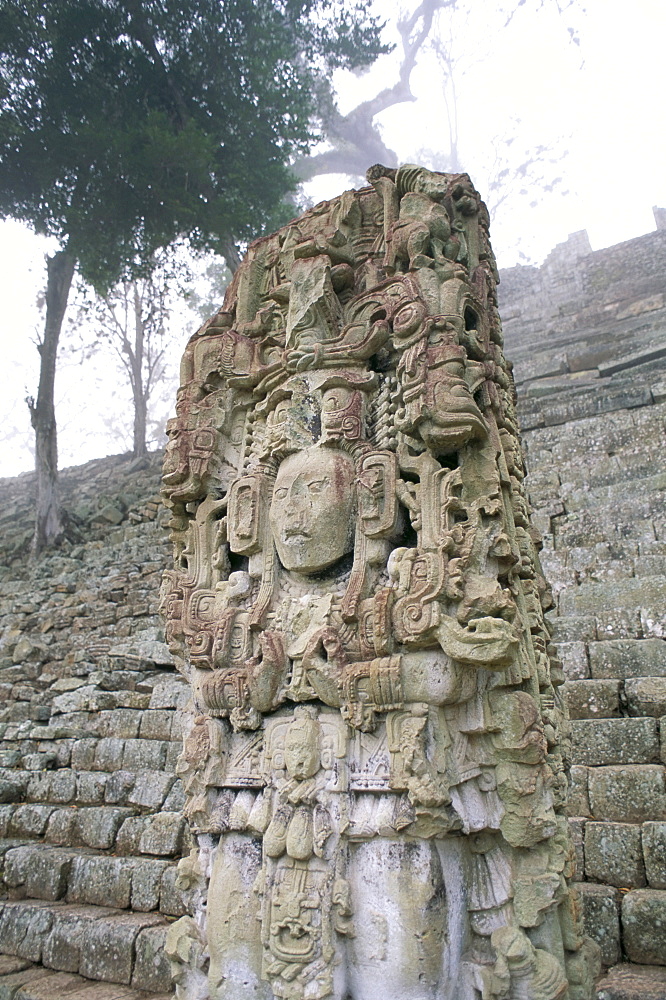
x=590 y=369
x=91 y=825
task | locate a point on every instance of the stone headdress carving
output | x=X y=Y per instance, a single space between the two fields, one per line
x=375 y=768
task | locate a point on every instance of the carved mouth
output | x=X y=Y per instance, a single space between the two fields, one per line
x=295 y=533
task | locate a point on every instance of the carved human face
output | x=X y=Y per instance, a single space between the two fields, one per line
x=301 y=749
x=312 y=509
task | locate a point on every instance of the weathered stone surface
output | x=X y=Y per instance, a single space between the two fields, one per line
x=628 y=658
x=100 y=881
x=631 y=982
x=12 y=983
x=574 y=660
x=151 y=967
x=614 y=855
x=593 y=699
x=339 y=628
x=631 y=794
x=644 y=926
x=601 y=913
x=654 y=853
x=615 y=741
x=578 y=801
x=97 y=827
x=62 y=947
x=42 y=873
x=107 y=950
x=646 y=696
x=50 y=987
x=162 y=834
x=577 y=831
x=150 y=789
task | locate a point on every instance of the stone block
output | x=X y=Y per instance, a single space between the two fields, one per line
x=578 y=802
x=577 y=833
x=144 y=755
x=644 y=926
x=151 y=967
x=624 y=658
x=601 y=918
x=22 y=927
x=61 y=827
x=633 y=982
x=83 y=754
x=90 y=787
x=654 y=854
x=10 y=964
x=146 y=882
x=109 y=754
x=631 y=794
x=614 y=855
x=175 y=800
x=593 y=699
x=118 y=787
x=30 y=820
x=62 y=947
x=574 y=660
x=98 y=825
x=163 y=835
x=62 y=786
x=170 y=693
x=156 y=724
x=174 y=751
x=600 y=742
x=150 y=789
x=122 y=723
x=41 y=871
x=50 y=987
x=130 y=833
x=10 y=791
x=100 y=882
x=171 y=897
x=11 y=984
x=574 y=628
x=107 y=950
x=646 y=696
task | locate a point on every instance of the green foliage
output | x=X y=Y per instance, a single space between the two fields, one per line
x=125 y=125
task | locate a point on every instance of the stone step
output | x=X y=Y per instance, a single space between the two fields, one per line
x=21 y=980
x=83 y=876
x=144 y=789
x=633 y=982
x=96 y=942
x=103 y=828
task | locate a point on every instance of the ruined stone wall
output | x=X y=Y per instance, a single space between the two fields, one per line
x=591 y=372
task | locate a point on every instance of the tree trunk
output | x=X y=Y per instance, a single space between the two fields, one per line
x=48 y=515
x=138 y=388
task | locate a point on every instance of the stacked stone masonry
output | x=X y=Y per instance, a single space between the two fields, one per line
x=587 y=335
x=90 y=820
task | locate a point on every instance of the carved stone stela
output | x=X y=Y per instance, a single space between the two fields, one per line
x=375 y=767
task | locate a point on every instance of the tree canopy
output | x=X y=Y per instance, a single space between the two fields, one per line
x=126 y=123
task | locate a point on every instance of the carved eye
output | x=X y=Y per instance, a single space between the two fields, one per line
x=280 y=494
x=317 y=485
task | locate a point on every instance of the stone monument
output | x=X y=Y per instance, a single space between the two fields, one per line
x=376 y=763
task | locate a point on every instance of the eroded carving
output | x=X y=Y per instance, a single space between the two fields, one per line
x=376 y=759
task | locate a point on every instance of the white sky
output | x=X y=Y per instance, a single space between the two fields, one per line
x=602 y=102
